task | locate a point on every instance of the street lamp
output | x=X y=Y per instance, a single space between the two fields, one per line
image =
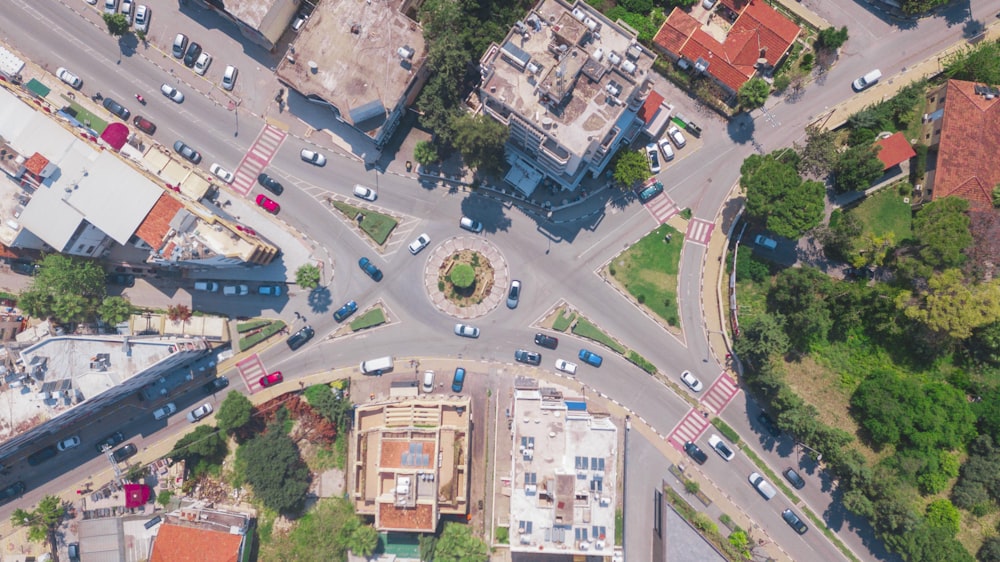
x=814 y=452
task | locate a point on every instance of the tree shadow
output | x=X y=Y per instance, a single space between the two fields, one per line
x=320 y=300
x=973 y=28
x=741 y=128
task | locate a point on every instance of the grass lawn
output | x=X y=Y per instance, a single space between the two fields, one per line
x=376 y=225
x=369 y=319
x=86 y=117
x=563 y=322
x=585 y=329
x=885 y=212
x=648 y=271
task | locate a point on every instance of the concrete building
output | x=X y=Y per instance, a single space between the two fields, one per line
x=198 y=533
x=362 y=60
x=261 y=21
x=411 y=461
x=569 y=84
x=564 y=481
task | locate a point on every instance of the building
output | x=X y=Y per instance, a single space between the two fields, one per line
x=894 y=150
x=564 y=481
x=674 y=539
x=199 y=534
x=261 y=21
x=59 y=382
x=569 y=83
x=756 y=42
x=362 y=60
x=411 y=461
x=963 y=132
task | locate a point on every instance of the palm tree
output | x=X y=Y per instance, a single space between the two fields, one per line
x=179 y=313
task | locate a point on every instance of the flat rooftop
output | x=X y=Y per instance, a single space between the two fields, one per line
x=565 y=475
x=568 y=69
x=356 y=47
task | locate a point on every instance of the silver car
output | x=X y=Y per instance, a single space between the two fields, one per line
x=199 y=412
x=420 y=243
x=691 y=381
x=313 y=157
x=69 y=78
x=173 y=93
x=466 y=330
x=229 y=78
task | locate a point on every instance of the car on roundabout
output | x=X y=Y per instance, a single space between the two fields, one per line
x=590 y=358
x=546 y=341
x=298 y=339
x=342 y=313
x=565 y=366
x=466 y=331
x=419 y=244
x=368 y=267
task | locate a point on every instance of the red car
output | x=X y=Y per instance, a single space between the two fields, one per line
x=273 y=378
x=267 y=204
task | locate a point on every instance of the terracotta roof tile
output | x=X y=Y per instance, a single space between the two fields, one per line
x=175 y=543
x=967 y=165
x=417 y=518
x=675 y=30
x=772 y=31
x=650 y=107
x=156 y=224
x=36 y=163
x=895 y=149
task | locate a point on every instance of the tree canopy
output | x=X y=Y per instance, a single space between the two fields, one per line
x=115 y=309
x=234 y=412
x=631 y=168
x=800 y=295
x=425 y=153
x=753 y=93
x=777 y=196
x=831 y=38
x=976 y=63
x=274 y=468
x=65 y=288
x=457 y=544
x=117 y=24
x=307 y=276
x=481 y=140
x=41 y=521
x=952 y=307
x=856 y=168
x=201 y=448
x=941 y=229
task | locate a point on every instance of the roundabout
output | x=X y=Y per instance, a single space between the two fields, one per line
x=466 y=277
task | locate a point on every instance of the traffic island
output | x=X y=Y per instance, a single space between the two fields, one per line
x=466 y=277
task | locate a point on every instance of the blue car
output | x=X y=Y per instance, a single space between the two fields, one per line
x=459 y=380
x=591 y=358
x=368 y=267
x=343 y=312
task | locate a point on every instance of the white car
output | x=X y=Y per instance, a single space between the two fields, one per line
x=70 y=443
x=142 y=14
x=126 y=10
x=313 y=157
x=466 y=330
x=720 y=447
x=221 y=173
x=365 y=193
x=165 y=411
x=675 y=135
x=69 y=78
x=652 y=156
x=692 y=381
x=236 y=290
x=229 y=78
x=420 y=243
x=199 y=412
x=201 y=65
x=110 y=6
x=470 y=225
x=565 y=366
x=172 y=93
x=668 y=151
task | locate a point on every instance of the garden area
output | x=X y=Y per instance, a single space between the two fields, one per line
x=377 y=226
x=565 y=318
x=252 y=332
x=648 y=271
x=465 y=278
x=370 y=319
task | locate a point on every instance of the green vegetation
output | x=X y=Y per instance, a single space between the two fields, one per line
x=502 y=535
x=631 y=168
x=856 y=168
x=778 y=198
x=253 y=338
x=425 y=153
x=480 y=139
x=563 y=322
x=42 y=521
x=641 y=362
x=326 y=532
x=203 y=449
x=115 y=309
x=831 y=38
x=376 y=225
x=457 y=544
x=585 y=329
x=648 y=271
x=250 y=325
x=117 y=24
x=619 y=526
x=725 y=430
x=753 y=93
x=307 y=276
x=272 y=465
x=234 y=413
x=372 y=318
x=462 y=276
x=66 y=289
x=893 y=114
x=976 y=63
x=164 y=497
x=920 y=6
x=701 y=522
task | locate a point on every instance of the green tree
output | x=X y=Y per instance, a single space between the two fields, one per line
x=976 y=63
x=275 y=470
x=65 y=288
x=425 y=153
x=951 y=307
x=739 y=540
x=990 y=550
x=856 y=169
x=819 y=154
x=201 y=448
x=427 y=543
x=115 y=309
x=307 y=276
x=762 y=338
x=777 y=197
x=462 y=275
x=800 y=294
x=839 y=236
x=631 y=167
x=481 y=140
x=941 y=513
x=164 y=497
x=457 y=544
x=941 y=228
x=234 y=412
x=359 y=538
x=42 y=521
x=831 y=38
x=996 y=196
x=117 y=24
x=336 y=410
x=753 y=93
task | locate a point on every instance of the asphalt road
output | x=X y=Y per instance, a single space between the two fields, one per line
x=553 y=262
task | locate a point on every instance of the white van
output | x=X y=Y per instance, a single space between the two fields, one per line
x=763 y=486
x=377 y=367
x=428 y=384
x=208 y=286
x=867 y=80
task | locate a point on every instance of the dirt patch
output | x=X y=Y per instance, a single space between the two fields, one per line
x=480 y=288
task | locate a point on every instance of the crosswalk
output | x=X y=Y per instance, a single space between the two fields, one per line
x=689 y=429
x=712 y=402
x=662 y=208
x=720 y=394
x=251 y=370
x=699 y=231
x=257 y=158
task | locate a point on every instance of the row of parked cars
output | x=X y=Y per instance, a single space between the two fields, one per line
x=240 y=290
x=674 y=135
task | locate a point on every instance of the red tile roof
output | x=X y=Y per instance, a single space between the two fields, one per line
x=156 y=224
x=895 y=149
x=967 y=163
x=650 y=107
x=175 y=543
x=36 y=163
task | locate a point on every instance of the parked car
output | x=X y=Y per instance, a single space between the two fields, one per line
x=215 y=385
x=69 y=443
x=207 y=286
x=271 y=290
x=695 y=452
x=270 y=184
x=144 y=125
x=180 y=45
x=271 y=379
x=192 y=54
x=235 y=290
x=420 y=243
x=867 y=80
x=166 y=411
x=546 y=341
x=117 y=108
x=349 y=308
x=41 y=455
x=720 y=447
x=298 y=339
x=565 y=366
x=458 y=381
x=187 y=152
x=124 y=453
x=676 y=136
x=229 y=78
x=221 y=173
x=313 y=157
x=366 y=193
x=591 y=358
x=110 y=6
x=650 y=191
x=111 y=440
x=199 y=412
x=652 y=158
x=68 y=77
x=765 y=242
x=142 y=15
x=201 y=65
x=126 y=10
x=10 y=492
x=126 y=279
x=769 y=424
x=466 y=331
x=173 y=93
x=428 y=382
x=470 y=225
x=368 y=267
x=514 y=294
x=529 y=357
x=691 y=381
x=668 y=151
x=794 y=478
x=268 y=204
x=794 y=521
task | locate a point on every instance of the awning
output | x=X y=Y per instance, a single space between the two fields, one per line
x=523 y=177
x=37 y=88
x=116 y=135
x=136 y=495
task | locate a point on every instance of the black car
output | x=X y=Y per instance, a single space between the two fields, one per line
x=216 y=385
x=11 y=492
x=794 y=521
x=116 y=108
x=695 y=453
x=126 y=279
x=298 y=339
x=187 y=152
x=546 y=341
x=41 y=456
x=111 y=440
x=349 y=308
x=794 y=478
x=124 y=453
x=24 y=267
x=270 y=184
x=192 y=54
x=529 y=357
x=769 y=424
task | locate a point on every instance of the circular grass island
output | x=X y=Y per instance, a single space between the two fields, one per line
x=465 y=278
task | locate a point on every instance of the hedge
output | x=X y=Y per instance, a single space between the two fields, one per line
x=253 y=339
x=251 y=325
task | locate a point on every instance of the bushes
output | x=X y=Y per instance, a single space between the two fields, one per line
x=243 y=327
x=749 y=267
x=724 y=429
x=919 y=163
x=641 y=362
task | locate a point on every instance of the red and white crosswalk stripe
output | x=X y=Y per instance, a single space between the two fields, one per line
x=251 y=370
x=720 y=394
x=662 y=208
x=257 y=158
x=688 y=429
x=699 y=231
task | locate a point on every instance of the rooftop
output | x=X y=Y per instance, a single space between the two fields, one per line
x=365 y=55
x=565 y=462
x=176 y=543
x=967 y=164
x=895 y=149
x=567 y=68
x=263 y=15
